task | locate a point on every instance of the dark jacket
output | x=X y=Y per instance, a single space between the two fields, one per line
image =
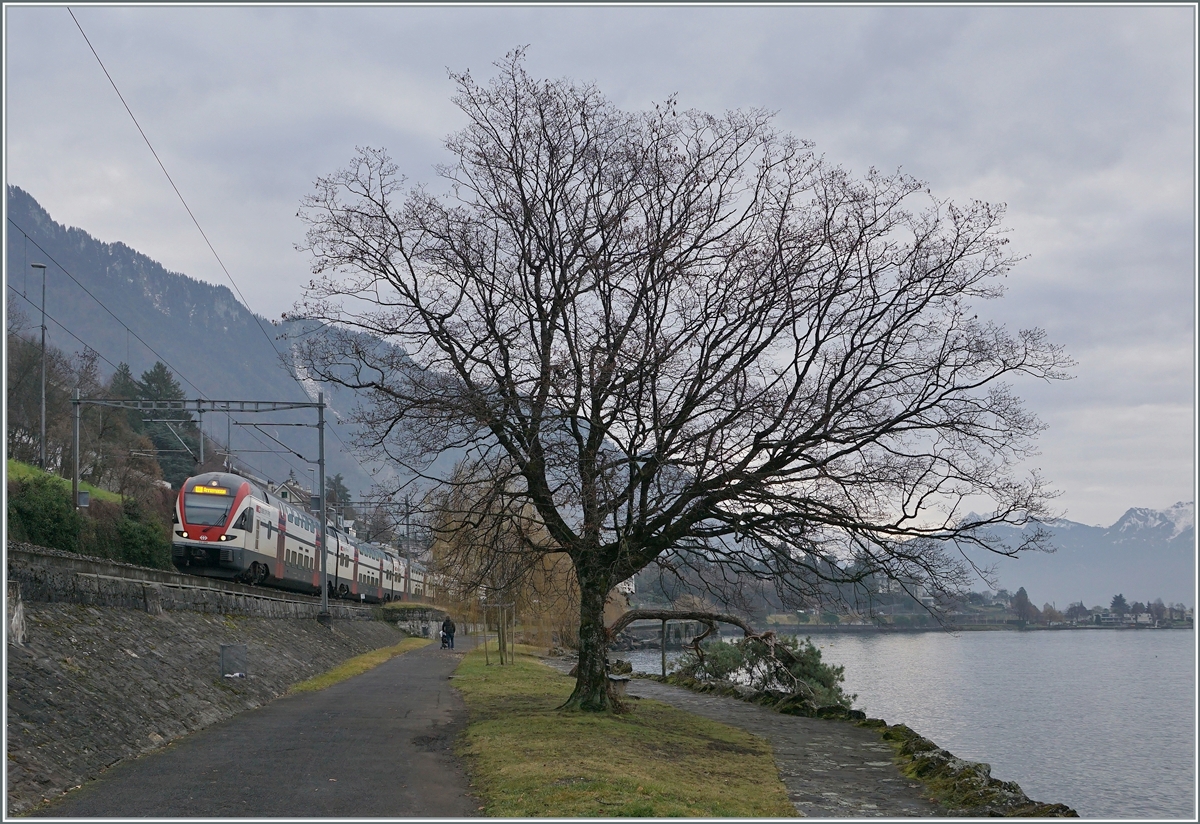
x=448 y=627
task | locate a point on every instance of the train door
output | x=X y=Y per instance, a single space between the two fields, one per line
x=320 y=541
x=331 y=564
x=281 y=539
x=337 y=566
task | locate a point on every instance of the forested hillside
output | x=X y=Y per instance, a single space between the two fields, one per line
x=213 y=345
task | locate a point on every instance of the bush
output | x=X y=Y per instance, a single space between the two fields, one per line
x=40 y=512
x=751 y=662
x=721 y=662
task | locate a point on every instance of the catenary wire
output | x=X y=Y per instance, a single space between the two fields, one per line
x=148 y=346
x=211 y=248
x=100 y=355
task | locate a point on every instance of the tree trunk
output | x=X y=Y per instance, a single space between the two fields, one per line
x=663 y=646
x=592 y=691
x=500 y=639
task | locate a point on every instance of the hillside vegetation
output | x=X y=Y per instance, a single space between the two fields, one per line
x=39 y=511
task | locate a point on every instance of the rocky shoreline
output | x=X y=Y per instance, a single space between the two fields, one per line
x=965 y=788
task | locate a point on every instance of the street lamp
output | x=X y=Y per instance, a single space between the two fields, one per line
x=42 y=429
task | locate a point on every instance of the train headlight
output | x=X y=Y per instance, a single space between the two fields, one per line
x=184 y=534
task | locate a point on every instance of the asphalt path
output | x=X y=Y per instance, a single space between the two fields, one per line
x=377 y=745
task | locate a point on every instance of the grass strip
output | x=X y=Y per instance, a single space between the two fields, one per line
x=18 y=471
x=409 y=606
x=358 y=665
x=528 y=759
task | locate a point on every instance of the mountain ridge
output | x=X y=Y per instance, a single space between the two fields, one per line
x=213 y=344
x=1145 y=554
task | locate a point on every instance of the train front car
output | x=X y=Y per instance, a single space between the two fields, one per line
x=214 y=529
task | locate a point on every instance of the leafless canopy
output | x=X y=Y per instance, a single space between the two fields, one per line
x=674 y=333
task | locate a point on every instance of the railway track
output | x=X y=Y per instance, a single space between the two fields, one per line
x=53 y=575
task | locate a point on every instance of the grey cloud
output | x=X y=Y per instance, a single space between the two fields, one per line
x=1080 y=118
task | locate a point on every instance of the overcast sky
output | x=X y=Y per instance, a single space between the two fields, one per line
x=1080 y=119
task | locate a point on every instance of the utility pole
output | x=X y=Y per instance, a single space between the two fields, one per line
x=42 y=429
x=75 y=430
x=324 y=617
x=407 y=547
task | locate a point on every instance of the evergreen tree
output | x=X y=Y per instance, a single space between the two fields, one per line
x=336 y=496
x=124 y=386
x=178 y=442
x=1022 y=607
x=1119 y=606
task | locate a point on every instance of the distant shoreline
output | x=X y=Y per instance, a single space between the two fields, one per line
x=811 y=629
x=801 y=630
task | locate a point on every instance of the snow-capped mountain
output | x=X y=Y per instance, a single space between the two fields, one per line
x=1146 y=554
x=1171 y=522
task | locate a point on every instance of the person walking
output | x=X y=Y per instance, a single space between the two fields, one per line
x=448 y=628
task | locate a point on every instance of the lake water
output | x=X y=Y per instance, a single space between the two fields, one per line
x=1103 y=721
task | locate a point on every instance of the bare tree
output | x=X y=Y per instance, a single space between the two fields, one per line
x=678 y=334
x=489 y=552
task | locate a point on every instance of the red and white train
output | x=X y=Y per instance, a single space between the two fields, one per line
x=227 y=526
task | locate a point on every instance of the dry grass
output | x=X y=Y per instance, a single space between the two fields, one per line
x=528 y=759
x=358 y=665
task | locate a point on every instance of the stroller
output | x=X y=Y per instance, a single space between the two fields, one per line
x=445 y=639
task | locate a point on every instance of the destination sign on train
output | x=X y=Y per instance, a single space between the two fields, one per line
x=210 y=490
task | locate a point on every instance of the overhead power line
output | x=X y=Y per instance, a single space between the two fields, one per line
x=106 y=309
x=201 y=229
x=179 y=194
x=115 y=367
x=50 y=317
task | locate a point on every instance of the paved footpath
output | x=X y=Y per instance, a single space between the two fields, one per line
x=830 y=768
x=377 y=745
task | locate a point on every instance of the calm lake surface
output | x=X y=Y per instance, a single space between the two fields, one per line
x=1101 y=720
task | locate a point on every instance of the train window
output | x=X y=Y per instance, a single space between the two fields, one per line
x=206 y=510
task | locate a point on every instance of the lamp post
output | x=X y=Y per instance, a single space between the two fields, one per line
x=42 y=428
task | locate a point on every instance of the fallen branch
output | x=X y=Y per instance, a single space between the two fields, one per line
x=681 y=615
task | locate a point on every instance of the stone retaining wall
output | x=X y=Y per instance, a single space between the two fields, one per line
x=110 y=667
x=55 y=576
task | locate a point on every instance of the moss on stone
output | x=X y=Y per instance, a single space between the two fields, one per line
x=966 y=788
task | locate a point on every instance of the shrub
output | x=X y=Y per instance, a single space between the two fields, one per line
x=143 y=537
x=751 y=662
x=40 y=512
x=721 y=662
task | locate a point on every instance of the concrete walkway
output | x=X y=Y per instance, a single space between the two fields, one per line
x=830 y=768
x=377 y=745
